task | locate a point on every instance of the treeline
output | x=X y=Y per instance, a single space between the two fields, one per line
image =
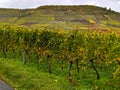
x=81 y=9
x=77 y=48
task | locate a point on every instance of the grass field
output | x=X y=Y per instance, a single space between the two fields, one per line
x=34 y=77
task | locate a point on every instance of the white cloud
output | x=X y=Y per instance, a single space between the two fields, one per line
x=113 y=4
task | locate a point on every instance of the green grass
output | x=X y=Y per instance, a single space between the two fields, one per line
x=30 y=77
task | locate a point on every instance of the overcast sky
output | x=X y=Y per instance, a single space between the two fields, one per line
x=113 y=4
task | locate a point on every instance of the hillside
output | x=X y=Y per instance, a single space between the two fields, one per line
x=63 y=17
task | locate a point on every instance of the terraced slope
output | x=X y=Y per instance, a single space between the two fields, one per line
x=82 y=17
